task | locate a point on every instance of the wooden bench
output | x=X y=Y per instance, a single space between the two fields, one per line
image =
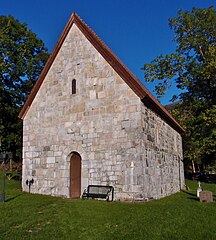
x=99 y=191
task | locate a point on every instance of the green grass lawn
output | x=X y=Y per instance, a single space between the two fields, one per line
x=33 y=216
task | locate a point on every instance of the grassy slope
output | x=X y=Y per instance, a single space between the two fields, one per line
x=180 y=216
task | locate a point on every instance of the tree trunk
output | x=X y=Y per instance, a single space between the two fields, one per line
x=193 y=166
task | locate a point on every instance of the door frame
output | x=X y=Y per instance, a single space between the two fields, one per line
x=75 y=154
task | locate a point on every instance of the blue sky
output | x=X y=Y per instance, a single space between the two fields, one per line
x=136 y=30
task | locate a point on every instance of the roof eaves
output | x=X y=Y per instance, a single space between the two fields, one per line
x=153 y=104
x=115 y=63
x=126 y=74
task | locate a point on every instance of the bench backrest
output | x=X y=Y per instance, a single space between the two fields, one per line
x=99 y=189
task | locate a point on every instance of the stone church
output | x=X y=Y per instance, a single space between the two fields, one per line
x=89 y=120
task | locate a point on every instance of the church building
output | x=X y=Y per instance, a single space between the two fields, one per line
x=89 y=120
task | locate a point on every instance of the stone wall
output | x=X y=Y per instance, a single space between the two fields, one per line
x=120 y=141
x=163 y=172
x=100 y=122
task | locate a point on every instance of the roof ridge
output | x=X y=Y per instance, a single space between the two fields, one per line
x=145 y=92
x=130 y=79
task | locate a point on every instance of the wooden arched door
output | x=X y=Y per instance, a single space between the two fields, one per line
x=75 y=176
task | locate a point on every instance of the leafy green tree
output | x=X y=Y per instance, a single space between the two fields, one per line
x=22 y=58
x=199 y=139
x=192 y=68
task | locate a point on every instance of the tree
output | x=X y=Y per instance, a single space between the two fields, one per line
x=22 y=57
x=199 y=139
x=192 y=67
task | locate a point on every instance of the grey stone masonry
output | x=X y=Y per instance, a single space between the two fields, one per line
x=121 y=142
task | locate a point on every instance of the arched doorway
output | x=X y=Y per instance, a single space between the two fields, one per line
x=75 y=175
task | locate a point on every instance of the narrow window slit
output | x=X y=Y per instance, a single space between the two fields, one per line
x=73 y=86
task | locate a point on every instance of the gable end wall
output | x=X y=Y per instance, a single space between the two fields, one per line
x=104 y=122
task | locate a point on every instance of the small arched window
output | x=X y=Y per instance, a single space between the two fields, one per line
x=74 y=86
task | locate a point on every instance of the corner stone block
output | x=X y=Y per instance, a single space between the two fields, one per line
x=28 y=154
x=25 y=138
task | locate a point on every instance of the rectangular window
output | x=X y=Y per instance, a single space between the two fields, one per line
x=73 y=86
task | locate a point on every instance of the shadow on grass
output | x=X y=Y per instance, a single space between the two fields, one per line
x=12 y=198
x=189 y=193
x=194 y=196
